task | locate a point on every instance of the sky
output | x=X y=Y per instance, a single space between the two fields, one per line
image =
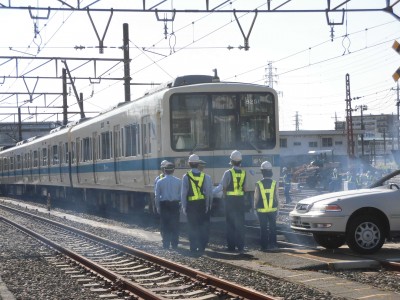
x=296 y=52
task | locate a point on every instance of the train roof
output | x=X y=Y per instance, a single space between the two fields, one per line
x=183 y=81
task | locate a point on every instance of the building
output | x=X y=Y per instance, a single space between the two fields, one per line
x=375 y=136
x=10 y=132
x=302 y=146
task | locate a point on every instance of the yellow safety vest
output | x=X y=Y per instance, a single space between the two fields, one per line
x=196 y=183
x=268 y=205
x=237 y=180
x=161 y=176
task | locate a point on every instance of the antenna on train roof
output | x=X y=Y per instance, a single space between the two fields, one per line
x=215 y=78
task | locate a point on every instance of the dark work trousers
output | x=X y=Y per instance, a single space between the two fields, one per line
x=169 y=223
x=287 y=193
x=235 y=211
x=267 y=229
x=197 y=225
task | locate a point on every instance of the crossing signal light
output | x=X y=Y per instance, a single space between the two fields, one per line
x=396 y=75
x=396 y=47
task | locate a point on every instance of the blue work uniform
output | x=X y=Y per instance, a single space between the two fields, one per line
x=167 y=202
x=196 y=197
x=233 y=182
x=266 y=203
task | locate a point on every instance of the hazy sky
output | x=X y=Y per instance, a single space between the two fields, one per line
x=308 y=64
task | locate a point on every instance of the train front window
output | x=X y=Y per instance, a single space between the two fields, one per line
x=243 y=121
x=257 y=121
x=218 y=121
x=190 y=122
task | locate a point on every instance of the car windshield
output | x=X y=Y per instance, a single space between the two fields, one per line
x=392 y=178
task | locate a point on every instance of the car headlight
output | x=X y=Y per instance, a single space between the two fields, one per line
x=326 y=208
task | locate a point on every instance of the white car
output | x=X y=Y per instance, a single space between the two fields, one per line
x=362 y=218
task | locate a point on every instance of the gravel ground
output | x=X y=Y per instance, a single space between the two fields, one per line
x=255 y=280
x=28 y=275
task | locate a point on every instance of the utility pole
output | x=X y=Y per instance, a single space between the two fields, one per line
x=297 y=121
x=269 y=75
x=127 y=76
x=362 y=108
x=349 y=120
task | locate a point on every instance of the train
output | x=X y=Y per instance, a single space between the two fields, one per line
x=110 y=161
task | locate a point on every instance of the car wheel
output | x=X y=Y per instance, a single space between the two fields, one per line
x=329 y=241
x=365 y=234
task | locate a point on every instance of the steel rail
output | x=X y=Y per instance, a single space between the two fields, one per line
x=230 y=287
x=127 y=284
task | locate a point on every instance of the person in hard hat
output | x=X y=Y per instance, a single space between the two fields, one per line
x=167 y=200
x=287 y=184
x=201 y=166
x=196 y=196
x=335 y=183
x=162 y=166
x=266 y=204
x=232 y=184
x=160 y=176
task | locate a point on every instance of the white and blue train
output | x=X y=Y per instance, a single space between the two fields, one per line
x=110 y=161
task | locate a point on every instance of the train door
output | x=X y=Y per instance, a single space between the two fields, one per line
x=95 y=155
x=117 y=152
x=29 y=165
x=146 y=148
x=49 y=159
x=60 y=157
x=78 y=157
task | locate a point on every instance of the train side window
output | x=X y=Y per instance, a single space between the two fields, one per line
x=117 y=141
x=44 y=156
x=87 y=151
x=66 y=153
x=5 y=164
x=26 y=161
x=11 y=163
x=35 y=159
x=73 y=150
x=55 y=155
x=106 y=145
x=18 y=162
x=131 y=138
x=78 y=155
x=94 y=146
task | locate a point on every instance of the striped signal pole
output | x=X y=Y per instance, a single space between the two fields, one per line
x=396 y=47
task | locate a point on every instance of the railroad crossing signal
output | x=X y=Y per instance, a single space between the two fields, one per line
x=396 y=47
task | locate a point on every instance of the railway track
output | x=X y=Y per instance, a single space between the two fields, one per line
x=282 y=287
x=109 y=266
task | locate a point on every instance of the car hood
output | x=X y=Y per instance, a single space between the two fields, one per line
x=338 y=196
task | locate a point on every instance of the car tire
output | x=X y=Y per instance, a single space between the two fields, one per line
x=365 y=234
x=329 y=241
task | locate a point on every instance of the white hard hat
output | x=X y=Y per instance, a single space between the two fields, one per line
x=236 y=156
x=164 y=163
x=266 y=165
x=194 y=158
x=284 y=169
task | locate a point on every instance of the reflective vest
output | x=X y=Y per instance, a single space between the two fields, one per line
x=161 y=176
x=195 y=187
x=238 y=177
x=268 y=202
